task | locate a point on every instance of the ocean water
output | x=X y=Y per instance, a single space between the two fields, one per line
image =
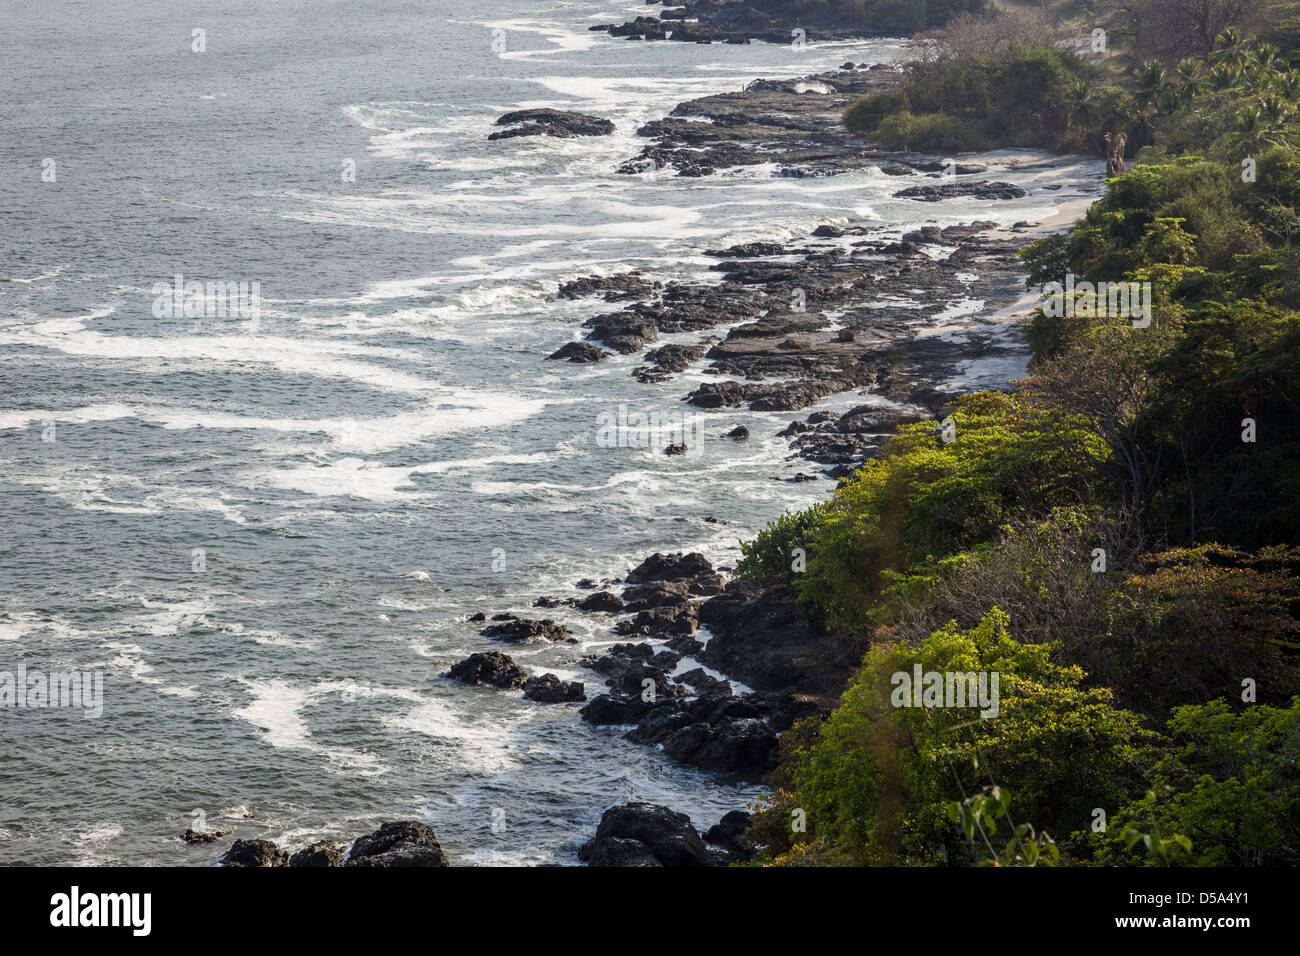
x=266 y=534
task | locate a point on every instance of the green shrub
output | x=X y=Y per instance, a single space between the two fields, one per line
x=877 y=782
x=864 y=116
x=928 y=133
x=1231 y=786
x=927 y=498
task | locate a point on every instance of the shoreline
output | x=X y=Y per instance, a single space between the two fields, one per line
x=664 y=686
x=719 y=704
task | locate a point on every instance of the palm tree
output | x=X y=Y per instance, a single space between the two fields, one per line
x=1151 y=83
x=1287 y=85
x=1229 y=48
x=1189 y=81
x=1079 y=103
x=1269 y=58
x=1276 y=110
x=1252 y=133
x=1224 y=76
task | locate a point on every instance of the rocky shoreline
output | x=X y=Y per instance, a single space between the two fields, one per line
x=725 y=21
x=843 y=309
x=713 y=671
x=667 y=688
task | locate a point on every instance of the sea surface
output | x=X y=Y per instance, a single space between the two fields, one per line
x=265 y=532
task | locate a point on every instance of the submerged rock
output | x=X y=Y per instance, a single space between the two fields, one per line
x=519 y=630
x=550 y=122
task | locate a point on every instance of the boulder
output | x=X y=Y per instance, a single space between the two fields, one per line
x=324 y=853
x=605 y=601
x=549 y=689
x=492 y=668
x=729 y=834
x=666 y=835
x=615 y=709
x=254 y=853
x=669 y=567
x=550 y=122
x=518 y=630
x=401 y=844
x=579 y=352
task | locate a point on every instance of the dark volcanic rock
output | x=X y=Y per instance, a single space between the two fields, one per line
x=729 y=834
x=254 y=853
x=615 y=709
x=199 y=837
x=667 y=836
x=625 y=285
x=579 y=352
x=643 y=597
x=760 y=638
x=601 y=601
x=663 y=621
x=745 y=745
x=490 y=667
x=976 y=190
x=702 y=681
x=549 y=122
x=549 y=689
x=324 y=853
x=666 y=360
x=616 y=851
x=624 y=332
x=669 y=567
x=521 y=629
x=721 y=395
x=685 y=645
x=401 y=844
x=739 y=433
x=748 y=250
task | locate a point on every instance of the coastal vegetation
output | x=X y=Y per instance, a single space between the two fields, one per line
x=1117 y=537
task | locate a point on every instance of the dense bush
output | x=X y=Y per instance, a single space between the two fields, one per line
x=1026 y=93
x=876 y=783
x=1230 y=786
x=928 y=498
x=1173 y=449
x=930 y=133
